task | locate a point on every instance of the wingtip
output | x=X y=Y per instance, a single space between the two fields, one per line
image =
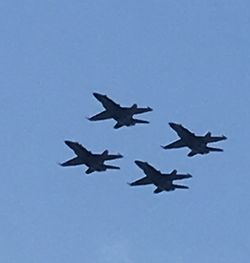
x=173 y=125
x=67 y=142
x=140 y=163
x=88 y=118
x=98 y=95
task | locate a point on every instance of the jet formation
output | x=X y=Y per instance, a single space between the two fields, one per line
x=197 y=144
x=122 y=115
x=163 y=182
x=94 y=162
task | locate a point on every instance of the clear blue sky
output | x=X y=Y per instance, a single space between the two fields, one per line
x=189 y=61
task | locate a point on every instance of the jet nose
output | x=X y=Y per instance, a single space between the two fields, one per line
x=189 y=176
x=224 y=137
x=149 y=108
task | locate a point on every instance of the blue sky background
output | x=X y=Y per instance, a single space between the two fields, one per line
x=189 y=61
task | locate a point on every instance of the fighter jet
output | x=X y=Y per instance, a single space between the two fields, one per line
x=163 y=182
x=122 y=115
x=94 y=162
x=197 y=144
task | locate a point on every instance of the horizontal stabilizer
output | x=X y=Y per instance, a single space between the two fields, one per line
x=140 y=121
x=112 y=167
x=89 y=171
x=142 y=110
x=191 y=154
x=211 y=149
x=157 y=190
x=182 y=176
x=113 y=156
x=118 y=125
x=210 y=138
x=180 y=186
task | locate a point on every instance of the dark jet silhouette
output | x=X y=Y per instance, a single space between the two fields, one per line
x=197 y=144
x=95 y=162
x=123 y=115
x=163 y=182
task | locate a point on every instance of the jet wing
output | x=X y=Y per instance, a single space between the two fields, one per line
x=104 y=115
x=147 y=168
x=176 y=144
x=180 y=130
x=106 y=102
x=78 y=149
x=143 y=181
x=75 y=161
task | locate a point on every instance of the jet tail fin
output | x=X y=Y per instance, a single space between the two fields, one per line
x=105 y=153
x=174 y=172
x=208 y=135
